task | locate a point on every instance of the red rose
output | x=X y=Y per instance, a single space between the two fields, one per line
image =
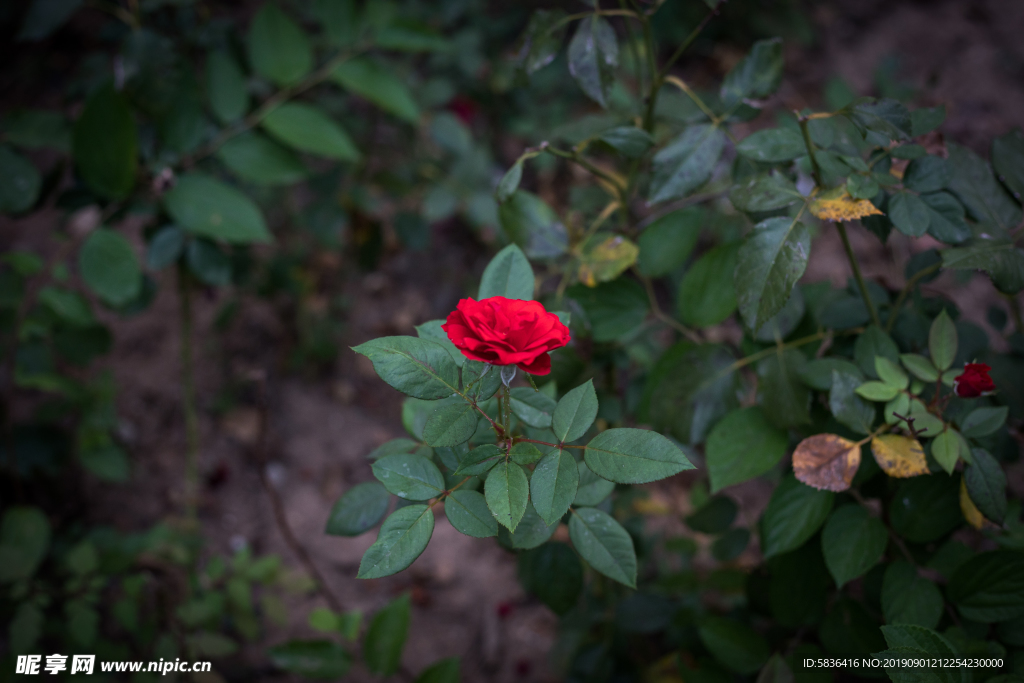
x=974 y=381
x=504 y=331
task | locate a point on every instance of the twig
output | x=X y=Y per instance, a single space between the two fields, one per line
x=280 y=518
x=661 y=315
x=856 y=274
x=188 y=399
x=917 y=277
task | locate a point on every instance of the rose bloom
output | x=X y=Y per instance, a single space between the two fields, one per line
x=504 y=331
x=974 y=381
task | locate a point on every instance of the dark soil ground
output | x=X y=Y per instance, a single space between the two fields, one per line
x=966 y=54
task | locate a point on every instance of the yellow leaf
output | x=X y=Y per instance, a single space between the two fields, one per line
x=899 y=456
x=826 y=461
x=838 y=205
x=603 y=257
x=652 y=508
x=971 y=512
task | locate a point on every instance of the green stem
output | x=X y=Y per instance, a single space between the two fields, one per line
x=810 y=149
x=577 y=159
x=188 y=399
x=652 y=69
x=856 y=273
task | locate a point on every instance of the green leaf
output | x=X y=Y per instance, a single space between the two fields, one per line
x=862 y=187
x=409 y=476
x=921 y=367
x=593 y=56
x=853 y=542
x=592 y=489
x=1008 y=161
x=613 y=309
x=877 y=391
x=532 y=407
x=918 y=638
x=908 y=598
x=20 y=182
x=107 y=461
x=817 y=373
x=714 y=516
x=311 y=658
x=942 y=341
x=989 y=587
x=509 y=182
x=575 y=412
x=385 y=638
x=165 y=247
x=469 y=514
x=531 y=531
x=772 y=145
x=450 y=425
x=258 y=159
x=743 y=445
x=533 y=225
x=207 y=207
x=926 y=119
x=946 y=450
x=734 y=644
x=208 y=263
x=634 y=456
x=874 y=342
x=909 y=214
x=410 y=35
x=794 y=514
x=604 y=544
x=541 y=40
x=926 y=174
x=307 y=128
x=946 y=218
x=986 y=485
x=554 y=574
x=400 y=445
x=886 y=117
x=37 y=129
x=278 y=48
x=509 y=275
x=974 y=183
x=756 y=76
x=689 y=389
x=24 y=540
x=108 y=266
x=480 y=380
x=629 y=141
x=666 y=243
x=686 y=162
x=403 y=536
x=926 y=508
x=604 y=256
x=730 y=545
x=983 y=421
x=226 y=87
x=105 y=144
x=707 y=295
x=480 y=460
x=891 y=373
x=1002 y=261
x=770 y=261
x=765 y=193
x=417 y=367
x=432 y=330
x=443 y=671
x=379 y=85
x=358 y=510
x=784 y=398
x=506 y=491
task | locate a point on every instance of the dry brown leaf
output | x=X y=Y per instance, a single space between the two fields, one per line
x=838 y=205
x=826 y=461
x=899 y=456
x=971 y=512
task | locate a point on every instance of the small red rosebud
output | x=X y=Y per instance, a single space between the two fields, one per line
x=974 y=381
x=463 y=107
x=504 y=609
